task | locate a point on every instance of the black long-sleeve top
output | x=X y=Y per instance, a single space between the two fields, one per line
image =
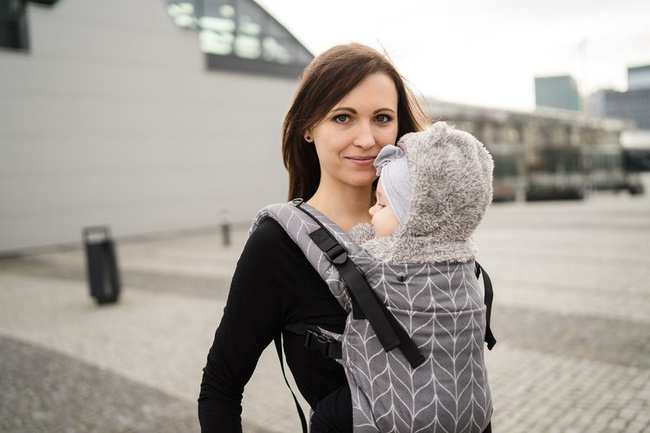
x=273 y=285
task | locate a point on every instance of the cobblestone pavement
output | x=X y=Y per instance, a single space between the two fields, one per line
x=572 y=316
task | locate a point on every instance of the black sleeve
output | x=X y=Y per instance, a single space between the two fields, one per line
x=273 y=285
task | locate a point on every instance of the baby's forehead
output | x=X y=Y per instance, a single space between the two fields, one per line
x=380 y=190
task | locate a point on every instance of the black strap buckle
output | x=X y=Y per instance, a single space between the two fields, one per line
x=332 y=249
x=323 y=344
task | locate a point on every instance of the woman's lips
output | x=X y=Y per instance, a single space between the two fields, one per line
x=361 y=161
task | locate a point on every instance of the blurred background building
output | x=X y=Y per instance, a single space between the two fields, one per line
x=633 y=104
x=557 y=92
x=144 y=115
x=166 y=114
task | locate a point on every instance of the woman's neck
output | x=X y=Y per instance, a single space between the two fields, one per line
x=346 y=208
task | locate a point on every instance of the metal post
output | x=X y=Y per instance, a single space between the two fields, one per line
x=225 y=228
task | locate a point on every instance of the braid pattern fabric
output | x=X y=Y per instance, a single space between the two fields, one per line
x=441 y=307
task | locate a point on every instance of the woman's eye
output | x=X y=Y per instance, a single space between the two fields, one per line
x=384 y=118
x=341 y=118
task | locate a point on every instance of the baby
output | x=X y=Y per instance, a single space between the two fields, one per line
x=434 y=189
x=396 y=179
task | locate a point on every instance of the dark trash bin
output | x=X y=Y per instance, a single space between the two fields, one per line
x=101 y=260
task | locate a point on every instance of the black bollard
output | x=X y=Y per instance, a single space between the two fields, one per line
x=225 y=233
x=225 y=227
x=101 y=260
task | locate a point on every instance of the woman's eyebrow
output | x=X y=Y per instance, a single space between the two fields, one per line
x=350 y=109
x=353 y=111
x=384 y=109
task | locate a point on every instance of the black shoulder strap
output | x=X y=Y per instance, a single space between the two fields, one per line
x=389 y=332
x=278 y=348
x=489 y=295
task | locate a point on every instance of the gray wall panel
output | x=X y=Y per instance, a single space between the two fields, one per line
x=111 y=118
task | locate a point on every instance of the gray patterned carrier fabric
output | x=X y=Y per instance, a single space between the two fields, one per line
x=441 y=307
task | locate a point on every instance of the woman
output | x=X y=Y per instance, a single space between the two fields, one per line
x=350 y=103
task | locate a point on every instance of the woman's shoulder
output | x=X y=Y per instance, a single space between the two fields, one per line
x=270 y=242
x=269 y=231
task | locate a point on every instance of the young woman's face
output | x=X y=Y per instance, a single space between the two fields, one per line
x=383 y=219
x=350 y=136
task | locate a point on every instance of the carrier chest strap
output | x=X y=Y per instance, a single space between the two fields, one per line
x=323 y=344
x=316 y=340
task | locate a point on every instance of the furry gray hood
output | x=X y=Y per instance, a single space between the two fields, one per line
x=451 y=180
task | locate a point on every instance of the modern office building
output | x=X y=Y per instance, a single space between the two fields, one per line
x=634 y=104
x=143 y=115
x=557 y=92
x=638 y=77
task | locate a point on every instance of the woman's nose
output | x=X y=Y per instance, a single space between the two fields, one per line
x=365 y=137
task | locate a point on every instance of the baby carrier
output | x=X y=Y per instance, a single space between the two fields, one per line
x=412 y=348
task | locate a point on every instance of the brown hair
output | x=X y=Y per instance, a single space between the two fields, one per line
x=326 y=81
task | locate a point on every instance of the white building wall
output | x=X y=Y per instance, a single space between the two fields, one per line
x=112 y=118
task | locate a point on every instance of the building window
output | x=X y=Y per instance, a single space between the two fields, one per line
x=13 y=24
x=240 y=35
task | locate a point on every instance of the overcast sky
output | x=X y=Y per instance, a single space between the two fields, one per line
x=483 y=52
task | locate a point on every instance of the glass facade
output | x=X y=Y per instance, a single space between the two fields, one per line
x=240 y=35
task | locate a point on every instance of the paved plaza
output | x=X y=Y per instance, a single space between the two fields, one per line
x=571 y=315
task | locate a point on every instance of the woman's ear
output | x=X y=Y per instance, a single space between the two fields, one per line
x=308 y=137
